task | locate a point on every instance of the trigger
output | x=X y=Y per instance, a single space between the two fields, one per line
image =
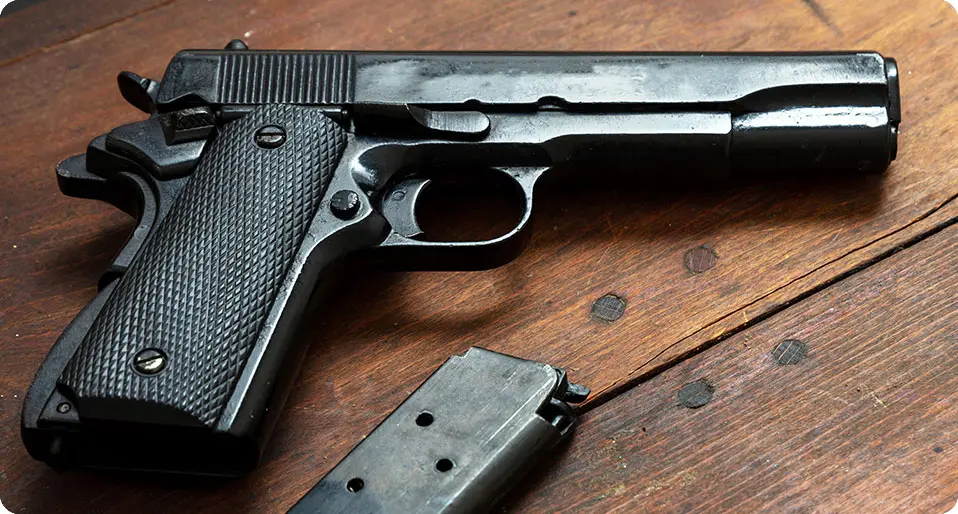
x=399 y=206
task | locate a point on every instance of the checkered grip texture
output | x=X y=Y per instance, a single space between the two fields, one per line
x=202 y=286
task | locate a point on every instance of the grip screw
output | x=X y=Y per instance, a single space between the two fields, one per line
x=345 y=204
x=63 y=408
x=149 y=361
x=270 y=136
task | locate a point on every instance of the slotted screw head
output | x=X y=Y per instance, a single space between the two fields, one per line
x=270 y=136
x=149 y=361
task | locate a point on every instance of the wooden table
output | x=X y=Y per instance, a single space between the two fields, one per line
x=822 y=318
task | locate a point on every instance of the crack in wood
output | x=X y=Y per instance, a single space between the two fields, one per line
x=820 y=13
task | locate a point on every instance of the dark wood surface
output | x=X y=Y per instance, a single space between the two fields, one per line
x=774 y=243
x=865 y=421
x=39 y=28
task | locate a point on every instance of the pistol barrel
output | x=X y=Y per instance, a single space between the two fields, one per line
x=787 y=111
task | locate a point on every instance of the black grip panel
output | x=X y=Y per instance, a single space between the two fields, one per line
x=201 y=288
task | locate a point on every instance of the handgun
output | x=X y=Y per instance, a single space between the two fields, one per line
x=258 y=173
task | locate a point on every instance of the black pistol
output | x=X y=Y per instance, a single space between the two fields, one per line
x=257 y=172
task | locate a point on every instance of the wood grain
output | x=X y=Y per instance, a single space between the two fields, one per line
x=40 y=27
x=774 y=242
x=867 y=421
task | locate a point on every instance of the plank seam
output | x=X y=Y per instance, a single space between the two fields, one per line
x=48 y=48
x=605 y=395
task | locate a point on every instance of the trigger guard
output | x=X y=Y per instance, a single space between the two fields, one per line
x=399 y=251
